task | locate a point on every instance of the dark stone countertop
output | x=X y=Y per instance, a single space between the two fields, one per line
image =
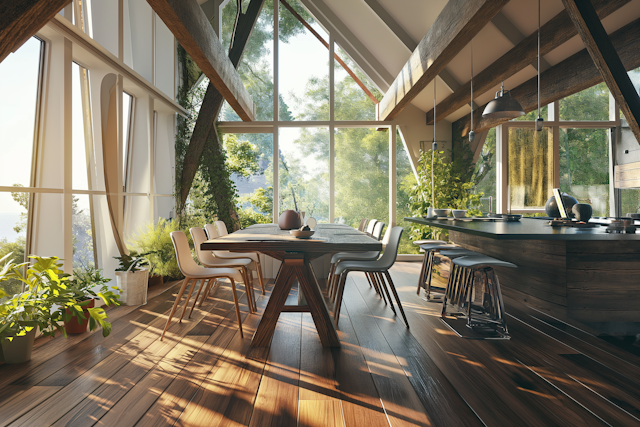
x=525 y=229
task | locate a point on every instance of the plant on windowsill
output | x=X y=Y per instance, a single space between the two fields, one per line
x=132 y=278
x=40 y=305
x=87 y=284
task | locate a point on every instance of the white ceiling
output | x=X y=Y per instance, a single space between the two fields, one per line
x=414 y=17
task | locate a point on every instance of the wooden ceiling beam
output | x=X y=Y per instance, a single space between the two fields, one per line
x=574 y=74
x=606 y=60
x=21 y=19
x=189 y=24
x=555 y=32
x=458 y=22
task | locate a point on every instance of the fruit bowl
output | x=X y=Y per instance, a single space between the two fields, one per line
x=302 y=234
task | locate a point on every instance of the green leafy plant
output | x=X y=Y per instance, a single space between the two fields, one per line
x=87 y=283
x=154 y=242
x=132 y=261
x=451 y=187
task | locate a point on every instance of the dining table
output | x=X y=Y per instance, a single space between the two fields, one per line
x=296 y=255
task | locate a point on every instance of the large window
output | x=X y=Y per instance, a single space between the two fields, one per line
x=530 y=167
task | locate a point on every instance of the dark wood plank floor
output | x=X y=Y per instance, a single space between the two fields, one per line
x=204 y=373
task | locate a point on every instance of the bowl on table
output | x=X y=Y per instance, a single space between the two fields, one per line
x=302 y=234
x=459 y=213
x=442 y=212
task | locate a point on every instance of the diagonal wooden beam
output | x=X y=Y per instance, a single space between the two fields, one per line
x=574 y=74
x=555 y=32
x=606 y=59
x=188 y=23
x=458 y=22
x=21 y=19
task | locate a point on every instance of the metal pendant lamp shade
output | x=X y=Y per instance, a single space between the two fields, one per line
x=503 y=106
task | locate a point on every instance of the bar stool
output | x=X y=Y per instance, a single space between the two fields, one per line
x=425 y=260
x=430 y=250
x=485 y=309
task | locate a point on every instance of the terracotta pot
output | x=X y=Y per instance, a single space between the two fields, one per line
x=289 y=220
x=75 y=325
x=19 y=349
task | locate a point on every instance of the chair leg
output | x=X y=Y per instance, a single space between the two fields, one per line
x=185 y=282
x=340 y=293
x=235 y=301
x=184 y=310
x=422 y=270
x=330 y=280
x=395 y=294
x=259 y=269
x=212 y=284
x=204 y=282
x=383 y=285
x=248 y=287
x=379 y=286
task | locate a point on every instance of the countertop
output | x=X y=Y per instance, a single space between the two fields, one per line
x=525 y=229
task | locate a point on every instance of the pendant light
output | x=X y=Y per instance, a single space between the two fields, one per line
x=472 y=134
x=503 y=106
x=539 y=120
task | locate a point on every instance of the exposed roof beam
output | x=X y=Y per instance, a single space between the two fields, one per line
x=574 y=74
x=458 y=22
x=350 y=43
x=189 y=24
x=555 y=32
x=21 y=19
x=606 y=60
x=506 y=27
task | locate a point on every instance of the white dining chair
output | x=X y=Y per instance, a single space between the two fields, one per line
x=371 y=226
x=363 y=223
x=193 y=272
x=207 y=259
x=381 y=266
x=213 y=232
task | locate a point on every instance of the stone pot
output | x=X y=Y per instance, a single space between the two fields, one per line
x=133 y=286
x=75 y=325
x=19 y=349
x=289 y=220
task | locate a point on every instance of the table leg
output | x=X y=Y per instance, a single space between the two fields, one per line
x=317 y=306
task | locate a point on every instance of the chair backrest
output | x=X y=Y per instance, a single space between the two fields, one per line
x=363 y=223
x=371 y=225
x=391 y=251
x=198 y=236
x=377 y=230
x=222 y=228
x=187 y=265
x=212 y=231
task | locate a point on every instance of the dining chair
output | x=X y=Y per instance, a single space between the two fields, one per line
x=371 y=226
x=207 y=259
x=218 y=230
x=380 y=266
x=193 y=272
x=366 y=256
x=363 y=223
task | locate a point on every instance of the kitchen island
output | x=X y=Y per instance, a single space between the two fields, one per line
x=584 y=274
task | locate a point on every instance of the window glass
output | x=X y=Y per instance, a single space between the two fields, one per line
x=303 y=67
x=256 y=66
x=530 y=167
x=405 y=180
x=127 y=104
x=83 y=255
x=80 y=175
x=361 y=175
x=484 y=174
x=19 y=74
x=533 y=115
x=250 y=157
x=584 y=167
x=352 y=102
x=590 y=104
x=629 y=201
x=303 y=171
x=13 y=231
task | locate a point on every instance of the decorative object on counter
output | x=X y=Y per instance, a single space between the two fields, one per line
x=289 y=220
x=551 y=207
x=633 y=215
x=304 y=233
x=508 y=217
x=442 y=212
x=311 y=222
x=619 y=226
x=582 y=211
x=459 y=213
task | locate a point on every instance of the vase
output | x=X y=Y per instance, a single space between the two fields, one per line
x=75 y=325
x=133 y=286
x=18 y=350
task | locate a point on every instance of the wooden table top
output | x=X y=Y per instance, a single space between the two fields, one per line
x=269 y=238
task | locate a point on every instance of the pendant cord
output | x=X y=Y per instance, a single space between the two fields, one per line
x=538 y=58
x=471 y=105
x=433 y=148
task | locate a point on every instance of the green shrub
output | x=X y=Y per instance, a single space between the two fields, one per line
x=155 y=240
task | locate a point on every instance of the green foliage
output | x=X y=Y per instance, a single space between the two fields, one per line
x=15 y=250
x=132 y=261
x=154 y=242
x=242 y=156
x=451 y=188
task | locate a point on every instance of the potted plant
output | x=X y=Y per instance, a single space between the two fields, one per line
x=39 y=305
x=132 y=278
x=87 y=284
x=155 y=241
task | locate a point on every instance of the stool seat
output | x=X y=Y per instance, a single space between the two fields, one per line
x=432 y=246
x=482 y=261
x=425 y=241
x=459 y=253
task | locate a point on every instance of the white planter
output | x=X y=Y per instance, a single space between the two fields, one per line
x=133 y=286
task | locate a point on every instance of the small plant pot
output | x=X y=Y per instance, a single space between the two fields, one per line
x=133 y=286
x=75 y=325
x=19 y=349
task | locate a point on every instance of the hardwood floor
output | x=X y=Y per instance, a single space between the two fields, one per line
x=203 y=373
